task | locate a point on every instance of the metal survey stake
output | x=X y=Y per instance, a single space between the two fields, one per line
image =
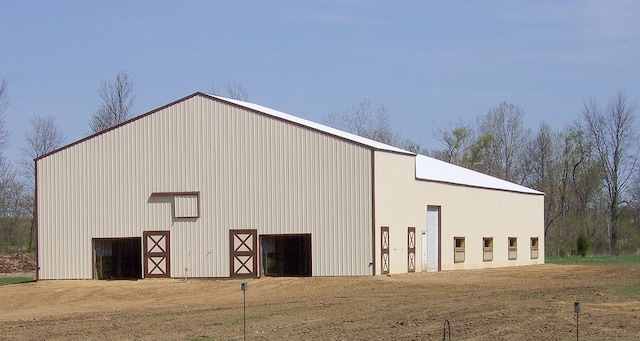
x=577 y=306
x=243 y=286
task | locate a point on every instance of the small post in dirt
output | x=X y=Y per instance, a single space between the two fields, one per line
x=243 y=286
x=446 y=330
x=577 y=306
x=186 y=269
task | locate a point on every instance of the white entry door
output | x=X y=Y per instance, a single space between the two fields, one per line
x=431 y=241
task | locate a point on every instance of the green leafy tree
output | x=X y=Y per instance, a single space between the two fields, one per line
x=456 y=139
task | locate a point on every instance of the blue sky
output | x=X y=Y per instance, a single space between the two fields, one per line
x=427 y=62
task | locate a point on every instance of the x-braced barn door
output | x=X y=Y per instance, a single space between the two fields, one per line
x=244 y=255
x=156 y=254
x=411 y=249
x=384 y=249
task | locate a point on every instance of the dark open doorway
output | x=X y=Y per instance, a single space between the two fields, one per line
x=286 y=255
x=119 y=258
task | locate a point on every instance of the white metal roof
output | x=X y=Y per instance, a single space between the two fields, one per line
x=428 y=168
x=317 y=126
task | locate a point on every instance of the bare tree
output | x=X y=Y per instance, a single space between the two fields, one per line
x=4 y=104
x=504 y=124
x=635 y=204
x=366 y=121
x=413 y=147
x=541 y=157
x=14 y=209
x=118 y=98
x=43 y=137
x=12 y=195
x=234 y=90
x=237 y=91
x=554 y=159
x=614 y=135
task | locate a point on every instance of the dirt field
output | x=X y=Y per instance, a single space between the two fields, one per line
x=525 y=303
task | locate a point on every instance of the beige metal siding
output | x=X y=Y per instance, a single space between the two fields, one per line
x=252 y=172
x=472 y=213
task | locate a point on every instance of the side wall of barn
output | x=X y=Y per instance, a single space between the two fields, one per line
x=471 y=215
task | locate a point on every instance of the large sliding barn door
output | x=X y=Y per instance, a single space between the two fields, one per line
x=157 y=262
x=384 y=249
x=244 y=253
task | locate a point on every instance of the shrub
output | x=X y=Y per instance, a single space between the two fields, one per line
x=583 y=245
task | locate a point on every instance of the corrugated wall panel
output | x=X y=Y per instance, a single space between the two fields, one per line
x=472 y=213
x=252 y=172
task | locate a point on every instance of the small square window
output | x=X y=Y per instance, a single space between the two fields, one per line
x=186 y=206
x=534 y=247
x=513 y=248
x=487 y=249
x=458 y=252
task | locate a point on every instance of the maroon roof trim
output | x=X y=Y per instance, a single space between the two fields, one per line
x=305 y=126
x=118 y=125
x=219 y=100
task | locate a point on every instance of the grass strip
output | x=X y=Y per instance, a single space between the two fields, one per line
x=594 y=260
x=15 y=280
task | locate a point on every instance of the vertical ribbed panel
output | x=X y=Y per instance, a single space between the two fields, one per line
x=469 y=212
x=252 y=172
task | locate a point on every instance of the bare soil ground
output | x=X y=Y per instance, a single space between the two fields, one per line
x=523 y=303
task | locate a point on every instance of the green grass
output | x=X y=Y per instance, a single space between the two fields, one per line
x=241 y=321
x=632 y=290
x=628 y=290
x=606 y=260
x=15 y=280
x=235 y=322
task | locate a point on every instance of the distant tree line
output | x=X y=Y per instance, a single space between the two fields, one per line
x=588 y=170
x=17 y=182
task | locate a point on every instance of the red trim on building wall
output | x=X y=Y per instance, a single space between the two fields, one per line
x=35 y=221
x=373 y=213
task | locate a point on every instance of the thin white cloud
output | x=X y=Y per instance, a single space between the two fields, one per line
x=613 y=21
x=340 y=18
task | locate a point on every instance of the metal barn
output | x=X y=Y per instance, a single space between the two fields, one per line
x=213 y=187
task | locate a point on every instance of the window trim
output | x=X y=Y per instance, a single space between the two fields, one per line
x=513 y=248
x=458 y=249
x=487 y=251
x=535 y=245
x=174 y=195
